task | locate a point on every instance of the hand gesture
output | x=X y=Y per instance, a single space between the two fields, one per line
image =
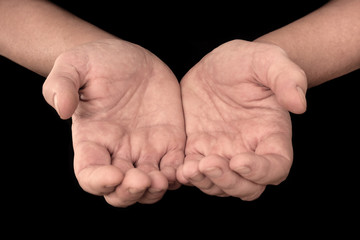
x=128 y=127
x=236 y=102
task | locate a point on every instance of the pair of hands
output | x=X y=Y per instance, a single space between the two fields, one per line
x=137 y=132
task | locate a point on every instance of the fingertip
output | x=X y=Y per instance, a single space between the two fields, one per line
x=242 y=164
x=65 y=104
x=100 y=180
x=212 y=162
x=169 y=165
x=62 y=96
x=293 y=100
x=255 y=195
x=170 y=174
x=137 y=179
x=289 y=86
x=190 y=170
x=159 y=181
x=303 y=105
x=131 y=189
x=261 y=169
x=180 y=176
x=156 y=191
x=61 y=86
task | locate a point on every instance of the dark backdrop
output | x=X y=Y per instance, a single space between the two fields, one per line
x=40 y=190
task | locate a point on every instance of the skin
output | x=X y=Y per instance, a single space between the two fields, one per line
x=324 y=43
x=237 y=122
x=128 y=122
x=237 y=97
x=128 y=126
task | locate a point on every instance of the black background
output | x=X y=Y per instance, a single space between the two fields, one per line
x=40 y=192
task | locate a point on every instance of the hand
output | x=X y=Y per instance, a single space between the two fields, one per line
x=238 y=128
x=128 y=126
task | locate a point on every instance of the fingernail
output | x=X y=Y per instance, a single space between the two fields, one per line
x=243 y=170
x=56 y=103
x=155 y=190
x=213 y=172
x=301 y=95
x=197 y=177
x=135 y=190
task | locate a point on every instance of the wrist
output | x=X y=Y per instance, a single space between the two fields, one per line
x=270 y=41
x=70 y=39
x=35 y=33
x=288 y=50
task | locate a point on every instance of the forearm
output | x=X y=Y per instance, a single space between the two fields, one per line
x=325 y=43
x=34 y=32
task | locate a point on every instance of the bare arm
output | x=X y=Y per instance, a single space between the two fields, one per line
x=325 y=43
x=113 y=90
x=34 y=32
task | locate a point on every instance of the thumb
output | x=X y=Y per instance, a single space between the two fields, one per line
x=289 y=83
x=61 y=87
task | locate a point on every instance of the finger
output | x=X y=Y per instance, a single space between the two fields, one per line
x=93 y=170
x=157 y=189
x=191 y=172
x=158 y=181
x=100 y=180
x=261 y=169
x=188 y=169
x=291 y=94
x=132 y=188
x=61 y=87
x=289 y=83
x=270 y=164
x=180 y=176
x=169 y=165
x=217 y=169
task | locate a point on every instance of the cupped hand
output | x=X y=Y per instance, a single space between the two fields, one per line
x=128 y=124
x=236 y=102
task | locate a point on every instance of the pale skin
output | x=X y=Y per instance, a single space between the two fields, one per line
x=237 y=97
x=129 y=117
x=238 y=133
x=128 y=127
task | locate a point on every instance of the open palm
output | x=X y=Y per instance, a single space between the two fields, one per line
x=236 y=102
x=128 y=127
